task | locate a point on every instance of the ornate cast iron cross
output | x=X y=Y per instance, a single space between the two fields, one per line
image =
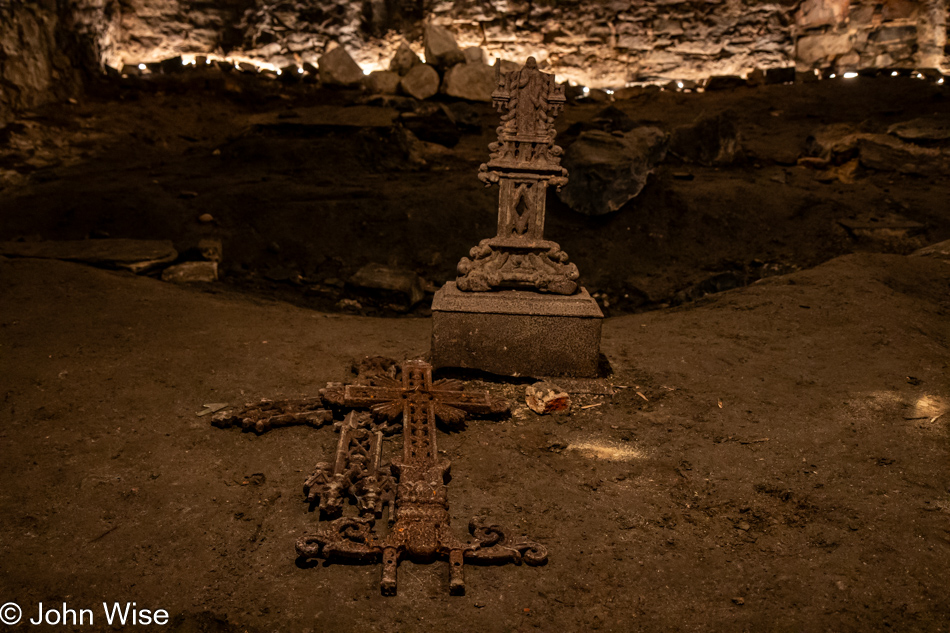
x=524 y=161
x=413 y=486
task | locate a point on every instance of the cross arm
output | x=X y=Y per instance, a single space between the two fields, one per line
x=479 y=402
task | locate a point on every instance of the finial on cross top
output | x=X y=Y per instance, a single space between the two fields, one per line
x=524 y=161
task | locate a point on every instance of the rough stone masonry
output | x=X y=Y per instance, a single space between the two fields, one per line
x=46 y=50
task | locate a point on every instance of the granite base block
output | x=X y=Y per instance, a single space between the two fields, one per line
x=516 y=333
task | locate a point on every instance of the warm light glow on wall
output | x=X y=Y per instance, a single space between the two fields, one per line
x=377 y=56
x=191 y=60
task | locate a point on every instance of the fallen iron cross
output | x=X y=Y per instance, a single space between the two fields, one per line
x=421 y=523
x=413 y=487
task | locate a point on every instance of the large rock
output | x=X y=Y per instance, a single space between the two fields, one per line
x=832 y=141
x=709 y=140
x=508 y=66
x=473 y=81
x=900 y=10
x=609 y=169
x=404 y=60
x=839 y=142
x=940 y=250
x=882 y=226
x=383 y=82
x=780 y=75
x=724 y=82
x=35 y=64
x=337 y=68
x=886 y=153
x=421 y=82
x=441 y=49
x=610 y=119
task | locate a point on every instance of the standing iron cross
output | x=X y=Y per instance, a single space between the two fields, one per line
x=413 y=486
x=524 y=161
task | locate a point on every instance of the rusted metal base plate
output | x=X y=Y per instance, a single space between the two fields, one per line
x=516 y=333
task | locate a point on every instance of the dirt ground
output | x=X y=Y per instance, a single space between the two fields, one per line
x=814 y=498
x=771 y=458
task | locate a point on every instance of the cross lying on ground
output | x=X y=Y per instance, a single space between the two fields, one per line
x=413 y=487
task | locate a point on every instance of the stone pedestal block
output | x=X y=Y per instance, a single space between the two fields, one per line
x=516 y=332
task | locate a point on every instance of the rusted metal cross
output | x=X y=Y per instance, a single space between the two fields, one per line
x=420 y=523
x=524 y=162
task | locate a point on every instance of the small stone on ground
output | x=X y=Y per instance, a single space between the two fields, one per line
x=545 y=397
x=191 y=272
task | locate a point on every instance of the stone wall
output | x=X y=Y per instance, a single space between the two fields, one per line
x=47 y=48
x=600 y=43
x=153 y=30
x=29 y=65
x=611 y=44
x=604 y=43
x=883 y=34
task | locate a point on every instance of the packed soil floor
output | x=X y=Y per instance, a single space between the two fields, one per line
x=773 y=457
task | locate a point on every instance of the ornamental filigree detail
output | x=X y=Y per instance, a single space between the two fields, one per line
x=491 y=268
x=524 y=162
x=412 y=486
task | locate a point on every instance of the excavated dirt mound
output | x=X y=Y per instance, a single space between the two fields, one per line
x=305 y=187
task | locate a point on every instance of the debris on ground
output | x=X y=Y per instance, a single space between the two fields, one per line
x=546 y=397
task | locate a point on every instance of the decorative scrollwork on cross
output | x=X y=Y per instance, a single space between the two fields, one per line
x=268 y=414
x=412 y=486
x=524 y=161
x=356 y=474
